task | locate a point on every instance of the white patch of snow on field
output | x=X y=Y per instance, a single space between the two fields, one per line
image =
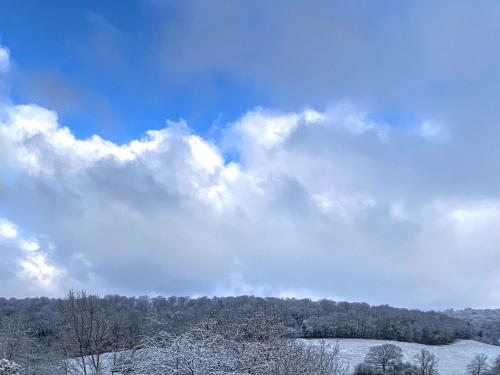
x=106 y=361
x=453 y=358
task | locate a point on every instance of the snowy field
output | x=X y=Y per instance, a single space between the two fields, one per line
x=452 y=358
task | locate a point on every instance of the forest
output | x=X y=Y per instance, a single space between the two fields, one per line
x=302 y=317
x=34 y=330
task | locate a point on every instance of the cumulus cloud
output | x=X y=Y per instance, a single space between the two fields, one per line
x=325 y=204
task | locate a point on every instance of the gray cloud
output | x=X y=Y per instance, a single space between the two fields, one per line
x=395 y=57
x=50 y=89
x=325 y=204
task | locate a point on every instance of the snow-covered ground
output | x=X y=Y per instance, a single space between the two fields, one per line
x=106 y=360
x=453 y=358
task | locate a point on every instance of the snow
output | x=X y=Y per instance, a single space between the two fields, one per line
x=106 y=360
x=453 y=358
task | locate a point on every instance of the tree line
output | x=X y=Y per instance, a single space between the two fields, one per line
x=387 y=359
x=306 y=318
x=37 y=333
x=485 y=323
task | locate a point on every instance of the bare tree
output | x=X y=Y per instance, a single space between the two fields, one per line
x=495 y=368
x=12 y=335
x=88 y=325
x=478 y=365
x=426 y=363
x=384 y=357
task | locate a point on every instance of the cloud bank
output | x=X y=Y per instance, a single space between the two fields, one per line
x=321 y=204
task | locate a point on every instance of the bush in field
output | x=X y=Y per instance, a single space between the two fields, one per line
x=9 y=368
x=256 y=345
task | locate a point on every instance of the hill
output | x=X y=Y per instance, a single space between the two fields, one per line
x=485 y=323
x=304 y=318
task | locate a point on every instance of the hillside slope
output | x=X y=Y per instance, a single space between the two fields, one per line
x=453 y=358
x=485 y=323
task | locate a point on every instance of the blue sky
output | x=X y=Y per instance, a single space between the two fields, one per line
x=94 y=62
x=120 y=69
x=324 y=149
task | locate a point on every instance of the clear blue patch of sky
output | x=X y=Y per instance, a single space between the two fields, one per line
x=118 y=104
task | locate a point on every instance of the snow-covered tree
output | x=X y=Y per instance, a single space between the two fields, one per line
x=495 y=368
x=478 y=365
x=88 y=325
x=426 y=363
x=384 y=357
x=9 y=368
x=256 y=345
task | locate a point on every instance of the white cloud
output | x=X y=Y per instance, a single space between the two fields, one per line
x=431 y=130
x=4 y=59
x=36 y=269
x=330 y=203
x=204 y=155
x=29 y=245
x=7 y=230
x=333 y=202
x=25 y=267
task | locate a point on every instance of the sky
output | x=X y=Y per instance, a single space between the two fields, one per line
x=324 y=149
